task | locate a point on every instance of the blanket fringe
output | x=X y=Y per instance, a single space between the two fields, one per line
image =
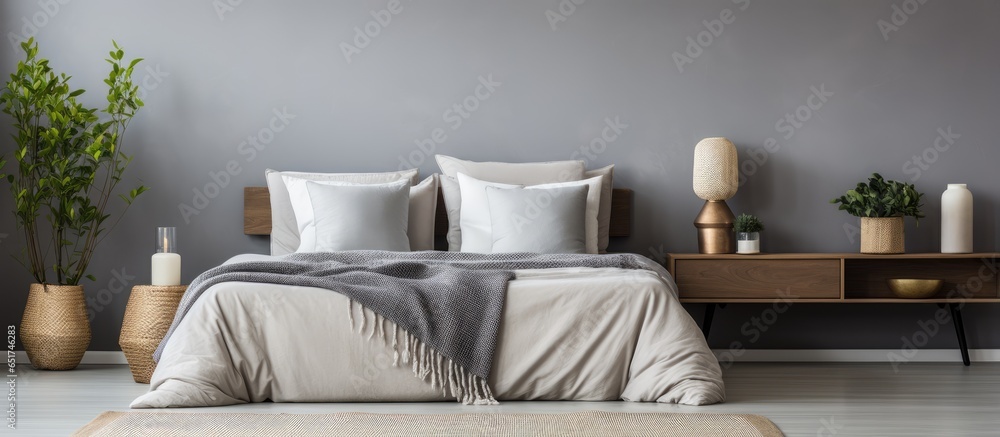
x=350 y=313
x=425 y=362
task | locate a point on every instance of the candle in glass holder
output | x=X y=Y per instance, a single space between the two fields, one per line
x=166 y=263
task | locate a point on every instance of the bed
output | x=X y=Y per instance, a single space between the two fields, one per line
x=594 y=332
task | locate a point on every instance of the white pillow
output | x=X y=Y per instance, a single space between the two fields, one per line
x=284 y=230
x=475 y=222
x=529 y=173
x=539 y=220
x=604 y=215
x=594 y=185
x=356 y=217
x=452 y=195
x=423 y=212
x=519 y=173
x=420 y=222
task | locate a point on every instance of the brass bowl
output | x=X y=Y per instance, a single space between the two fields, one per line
x=915 y=288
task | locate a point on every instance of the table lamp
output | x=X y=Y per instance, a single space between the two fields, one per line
x=716 y=178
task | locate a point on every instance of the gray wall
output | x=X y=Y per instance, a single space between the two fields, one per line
x=217 y=79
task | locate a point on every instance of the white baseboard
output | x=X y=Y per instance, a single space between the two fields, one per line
x=854 y=355
x=90 y=357
x=747 y=356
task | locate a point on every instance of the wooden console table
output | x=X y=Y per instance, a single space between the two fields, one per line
x=834 y=278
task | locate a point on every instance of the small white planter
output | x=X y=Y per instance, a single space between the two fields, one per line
x=748 y=242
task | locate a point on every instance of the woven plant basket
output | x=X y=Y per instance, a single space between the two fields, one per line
x=148 y=316
x=883 y=235
x=55 y=330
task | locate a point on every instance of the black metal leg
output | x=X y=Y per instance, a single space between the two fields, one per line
x=706 y=323
x=956 y=319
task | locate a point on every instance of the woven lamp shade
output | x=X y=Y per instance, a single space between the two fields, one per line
x=716 y=171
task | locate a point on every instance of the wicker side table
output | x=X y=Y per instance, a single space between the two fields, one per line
x=148 y=316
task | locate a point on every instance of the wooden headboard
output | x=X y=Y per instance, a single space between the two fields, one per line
x=257 y=213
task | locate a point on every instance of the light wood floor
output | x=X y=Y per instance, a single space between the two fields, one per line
x=922 y=399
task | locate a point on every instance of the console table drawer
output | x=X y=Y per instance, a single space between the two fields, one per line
x=758 y=278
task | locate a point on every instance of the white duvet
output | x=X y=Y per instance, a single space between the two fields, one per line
x=566 y=334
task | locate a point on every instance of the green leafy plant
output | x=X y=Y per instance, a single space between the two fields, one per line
x=69 y=162
x=882 y=198
x=748 y=223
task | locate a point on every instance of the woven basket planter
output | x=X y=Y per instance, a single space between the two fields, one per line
x=883 y=235
x=148 y=316
x=55 y=330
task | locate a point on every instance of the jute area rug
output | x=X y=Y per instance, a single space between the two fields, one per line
x=588 y=423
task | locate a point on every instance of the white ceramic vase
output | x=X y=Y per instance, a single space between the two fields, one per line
x=956 y=219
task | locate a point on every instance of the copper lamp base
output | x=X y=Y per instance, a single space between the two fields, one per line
x=715 y=228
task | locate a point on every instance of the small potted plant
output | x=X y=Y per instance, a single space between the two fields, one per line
x=748 y=228
x=882 y=205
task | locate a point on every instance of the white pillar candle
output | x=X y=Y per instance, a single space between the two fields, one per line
x=166 y=269
x=166 y=263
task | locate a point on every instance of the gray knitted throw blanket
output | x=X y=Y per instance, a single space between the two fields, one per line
x=444 y=308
